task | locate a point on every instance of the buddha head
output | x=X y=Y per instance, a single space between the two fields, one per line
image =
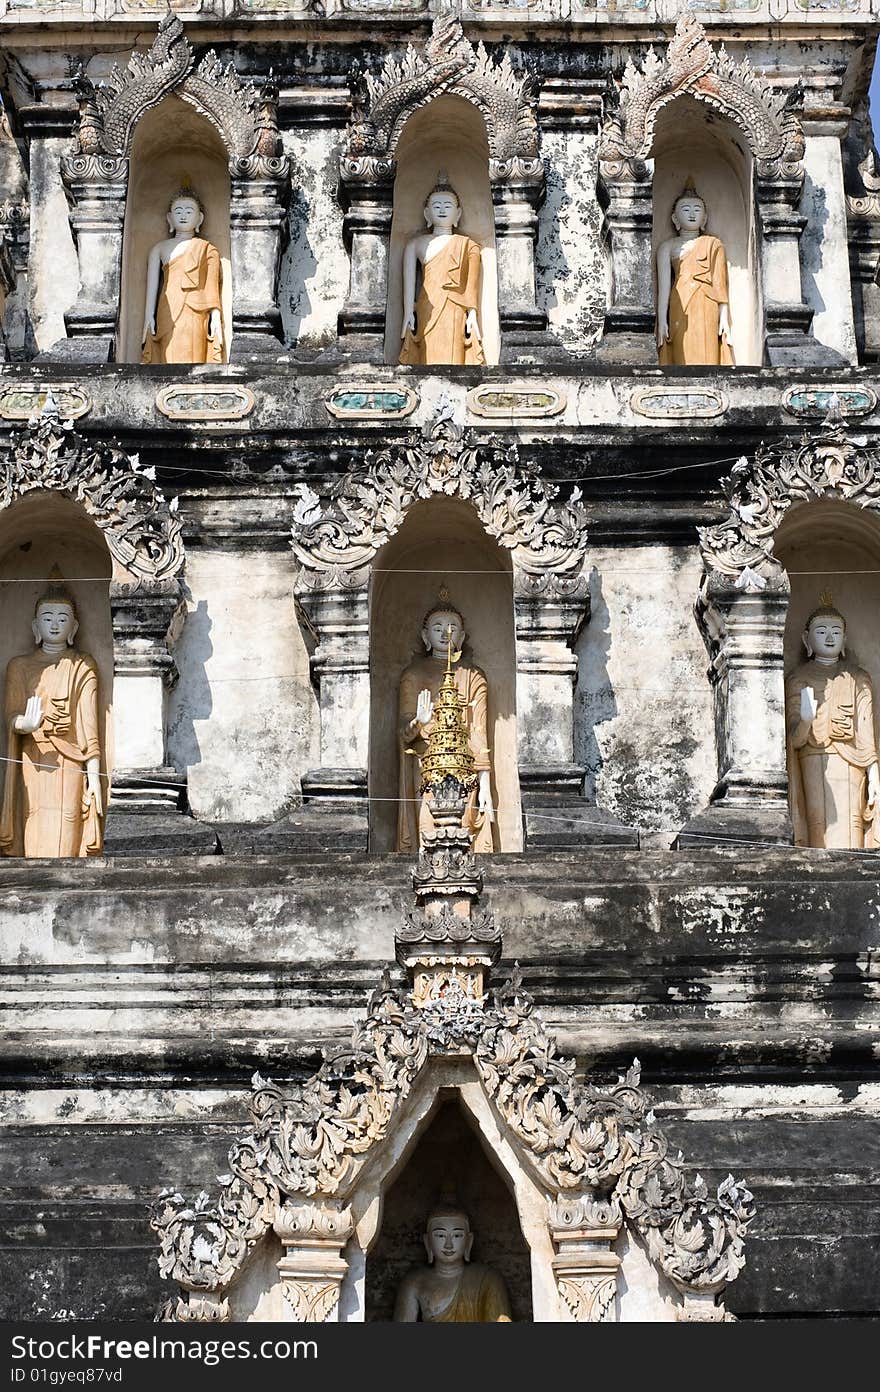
x=448 y=1236
x=689 y=214
x=55 y=621
x=185 y=212
x=442 y=206
x=825 y=632
x=438 y=621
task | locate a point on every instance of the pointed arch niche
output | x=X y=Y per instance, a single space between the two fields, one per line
x=694 y=142
x=173 y=145
x=442 y=541
x=38 y=532
x=448 y=134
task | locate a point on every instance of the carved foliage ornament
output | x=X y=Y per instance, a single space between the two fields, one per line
x=140 y=528
x=245 y=119
x=690 y=65
x=593 y=1145
x=336 y=542
x=448 y=64
x=760 y=491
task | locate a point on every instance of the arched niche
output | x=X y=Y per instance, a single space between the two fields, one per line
x=449 y=1158
x=447 y=134
x=829 y=545
x=41 y=531
x=692 y=142
x=442 y=542
x=173 y=145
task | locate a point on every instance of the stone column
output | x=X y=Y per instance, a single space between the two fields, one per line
x=367 y=186
x=518 y=189
x=257 y=230
x=555 y=814
x=626 y=189
x=335 y=810
x=744 y=634
x=147 y=794
x=312 y=1268
x=583 y=1228
x=824 y=248
x=96 y=188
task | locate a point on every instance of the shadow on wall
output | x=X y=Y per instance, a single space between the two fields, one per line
x=595 y=701
x=299 y=258
x=191 y=699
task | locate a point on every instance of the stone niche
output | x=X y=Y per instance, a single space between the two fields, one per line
x=45 y=530
x=448 y=134
x=449 y=1160
x=692 y=144
x=442 y=542
x=173 y=145
x=829 y=545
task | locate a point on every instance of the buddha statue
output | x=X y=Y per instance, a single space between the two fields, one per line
x=182 y=322
x=451 y=1289
x=442 y=326
x=693 y=314
x=833 y=770
x=419 y=687
x=52 y=800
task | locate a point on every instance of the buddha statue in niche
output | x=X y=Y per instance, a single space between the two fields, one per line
x=442 y=325
x=419 y=687
x=693 y=313
x=52 y=799
x=833 y=770
x=451 y=1289
x=182 y=321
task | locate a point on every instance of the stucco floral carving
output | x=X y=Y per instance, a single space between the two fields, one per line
x=336 y=540
x=760 y=491
x=140 y=528
x=766 y=117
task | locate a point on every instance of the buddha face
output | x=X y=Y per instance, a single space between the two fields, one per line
x=826 y=637
x=689 y=214
x=442 y=211
x=185 y=215
x=54 y=624
x=435 y=634
x=448 y=1239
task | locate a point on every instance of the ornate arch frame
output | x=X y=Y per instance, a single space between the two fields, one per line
x=95 y=177
x=741 y=612
x=769 y=122
x=381 y=104
x=143 y=535
x=336 y=540
x=596 y=1155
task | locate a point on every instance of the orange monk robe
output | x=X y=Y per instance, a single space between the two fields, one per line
x=450 y=288
x=481 y=1298
x=190 y=289
x=45 y=810
x=828 y=758
x=698 y=291
x=414 y=814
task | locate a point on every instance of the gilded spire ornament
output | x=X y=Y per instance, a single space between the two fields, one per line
x=448 y=754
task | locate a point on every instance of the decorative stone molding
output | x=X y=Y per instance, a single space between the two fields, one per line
x=532 y=402
x=312 y=1268
x=862 y=185
x=140 y=528
x=206 y=401
x=596 y=1152
x=95 y=175
x=21 y=400
x=371 y=401
x=769 y=121
x=814 y=403
x=381 y=104
x=678 y=403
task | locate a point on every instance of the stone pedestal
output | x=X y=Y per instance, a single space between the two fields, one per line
x=555 y=814
x=744 y=634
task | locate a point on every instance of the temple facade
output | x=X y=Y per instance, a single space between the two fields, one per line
x=440 y=578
